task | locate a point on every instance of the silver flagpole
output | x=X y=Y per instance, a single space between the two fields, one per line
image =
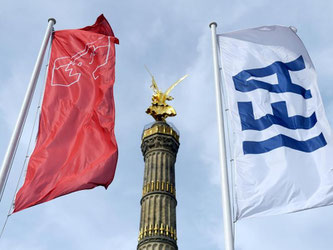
x=227 y=220
x=14 y=141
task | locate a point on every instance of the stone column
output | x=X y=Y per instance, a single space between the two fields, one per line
x=159 y=147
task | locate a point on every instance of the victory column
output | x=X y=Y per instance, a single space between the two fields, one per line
x=160 y=143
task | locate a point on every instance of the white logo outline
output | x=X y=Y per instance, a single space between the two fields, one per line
x=69 y=66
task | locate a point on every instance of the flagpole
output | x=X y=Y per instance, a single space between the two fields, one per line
x=227 y=219
x=11 y=150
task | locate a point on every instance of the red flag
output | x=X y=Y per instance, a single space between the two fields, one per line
x=76 y=148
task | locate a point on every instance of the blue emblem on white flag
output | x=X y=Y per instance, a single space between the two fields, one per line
x=280 y=112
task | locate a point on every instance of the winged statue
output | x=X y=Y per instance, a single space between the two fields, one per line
x=159 y=109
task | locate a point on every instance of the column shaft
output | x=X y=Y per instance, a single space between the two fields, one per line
x=158 y=204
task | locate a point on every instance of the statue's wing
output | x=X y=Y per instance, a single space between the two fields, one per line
x=174 y=85
x=153 y=82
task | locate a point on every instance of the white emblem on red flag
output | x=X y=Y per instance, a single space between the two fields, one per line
x=68 y=70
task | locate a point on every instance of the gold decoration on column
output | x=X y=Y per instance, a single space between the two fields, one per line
x=160 y=128
x=158 y=186
x=167 y=230
x=162 y=229
x=150 y=229
x=141 y=233
x=156 y=229
x=145 y=232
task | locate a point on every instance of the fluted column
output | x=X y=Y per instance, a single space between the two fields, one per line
x=158 y=204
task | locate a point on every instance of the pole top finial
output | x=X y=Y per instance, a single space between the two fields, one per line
x=52 y=19
x=293 y=28
x=212 y=23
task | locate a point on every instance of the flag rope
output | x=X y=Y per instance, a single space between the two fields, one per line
x=231 y=159
x=229 y=155
x=27 y=156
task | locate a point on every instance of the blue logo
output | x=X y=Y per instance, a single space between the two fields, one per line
x=280 y=113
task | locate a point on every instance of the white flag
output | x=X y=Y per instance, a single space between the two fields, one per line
x=281 y=140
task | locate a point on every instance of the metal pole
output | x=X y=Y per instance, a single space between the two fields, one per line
x=227 y=221
x=14 y=141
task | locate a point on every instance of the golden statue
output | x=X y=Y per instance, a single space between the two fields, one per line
x=159 y=109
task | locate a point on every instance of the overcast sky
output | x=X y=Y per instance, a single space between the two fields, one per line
x=172 y=38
